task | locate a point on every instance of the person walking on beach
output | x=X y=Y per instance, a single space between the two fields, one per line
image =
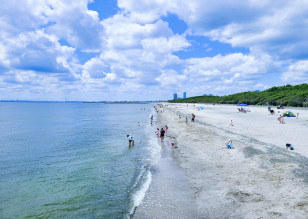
x=179 y=118
x=193 y=117
x=172 y=142
x=297 y=115
x=186 y=121
x=157 y=132
x=162 y=134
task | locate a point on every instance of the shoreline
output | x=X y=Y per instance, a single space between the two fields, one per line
x=259 y=178
x=169 y=195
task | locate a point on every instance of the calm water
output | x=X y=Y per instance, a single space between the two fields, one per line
x=72 y=160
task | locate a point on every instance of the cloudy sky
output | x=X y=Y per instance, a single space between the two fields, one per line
x=149 y=49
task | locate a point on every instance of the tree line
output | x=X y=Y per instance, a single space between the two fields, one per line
x=287 y=95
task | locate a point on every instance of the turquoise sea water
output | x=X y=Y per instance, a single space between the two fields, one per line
x=72 y=160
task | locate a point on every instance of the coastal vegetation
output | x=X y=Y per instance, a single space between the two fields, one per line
x=287 y=95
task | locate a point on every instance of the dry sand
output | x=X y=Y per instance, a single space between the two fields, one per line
x=257 y=179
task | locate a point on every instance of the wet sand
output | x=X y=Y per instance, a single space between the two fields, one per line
x=257 y=179
x=169 y=195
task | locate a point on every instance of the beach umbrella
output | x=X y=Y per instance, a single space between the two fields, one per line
x=242 y=104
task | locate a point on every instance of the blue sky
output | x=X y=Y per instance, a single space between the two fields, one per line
x=148 y=50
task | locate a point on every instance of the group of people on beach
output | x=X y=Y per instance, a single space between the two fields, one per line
x=163 y=132
x=193 y=116
x=159 y=108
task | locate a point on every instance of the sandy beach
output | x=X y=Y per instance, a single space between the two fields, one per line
x=259 y=178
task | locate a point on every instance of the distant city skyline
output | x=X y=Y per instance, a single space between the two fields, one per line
x=128 y=50
x=175 y=96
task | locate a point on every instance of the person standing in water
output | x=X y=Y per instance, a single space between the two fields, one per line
x=130 y=141
x=162 y=134
x=193 y=117
x=166 y=130
x=157 y=132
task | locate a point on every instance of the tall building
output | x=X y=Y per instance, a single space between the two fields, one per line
x=175 y=96
x=184 y=95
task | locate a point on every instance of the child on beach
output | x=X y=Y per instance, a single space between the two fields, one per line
x=157 y=132
x=172 y=142
x=166 y=130
x=279 y=118
x=186 y=121
x=231 y=123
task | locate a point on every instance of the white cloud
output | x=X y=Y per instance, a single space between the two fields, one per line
x=122 y=34
x=146 y=11
x=76 y=24
x=37 y=51
x=277 y=28
x=139 y=53
x=165 y=45
x=224 y=73
x=94 y=68
x=170 y=77
x=296 y=73
x=48 y=47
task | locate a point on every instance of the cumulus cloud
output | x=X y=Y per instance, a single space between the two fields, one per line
x=139 y=52
x=224 y=73
x=271 y=27
x=39 y=52
x=171 y=77
x=41 y=49
x=72 y=21
x=94 y=68
x=296 y=73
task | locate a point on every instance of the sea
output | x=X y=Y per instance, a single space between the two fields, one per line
x=72 y=159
